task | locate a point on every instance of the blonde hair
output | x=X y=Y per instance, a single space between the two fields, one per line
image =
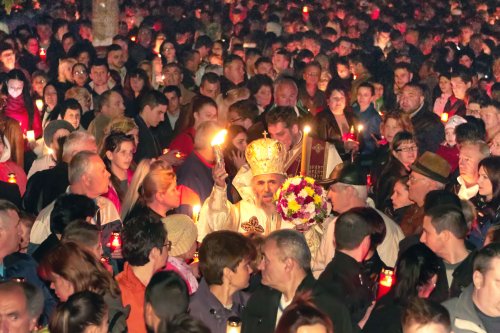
x=205 y=133
x=154 y=182
x=80 y=94
x=69 y=63
x=120 y=124
x=232 y=96
x=142 y=170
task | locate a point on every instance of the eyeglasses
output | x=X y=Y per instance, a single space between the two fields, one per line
x=407 y=149
x=168 y=245
x=80 y=73
x=412 y=179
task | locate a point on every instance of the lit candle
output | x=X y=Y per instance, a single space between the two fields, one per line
x=360 y=129
x=233 y=325
x=386 y=282
x=115 y=241
x=305 y=13
x=444 y=117
x=196 y=213
x=39 y=104
x=133 y=38
x=165 y=151
x=30 y=135
x=43 y=54
x=12 y=178
x=178 y=154
x=303 y=162
x=217 y=142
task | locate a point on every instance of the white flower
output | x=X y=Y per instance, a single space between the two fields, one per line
x=303 y=193
x=310 y=208
x=295 y=181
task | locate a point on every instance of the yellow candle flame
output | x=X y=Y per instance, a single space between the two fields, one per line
x=219 y=138
x=39 y=104
x=307 y=129
x=30 y=135
x=196 y=209
x=360 y=128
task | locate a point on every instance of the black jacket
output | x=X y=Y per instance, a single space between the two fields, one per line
x=148 y=147
x=462 y=278
x=429 y=130
x=327 y=129
x=44 y=187
x=260 y=313
x=344 y=277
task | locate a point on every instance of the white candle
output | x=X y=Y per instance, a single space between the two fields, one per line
x=30 y=135
x=303 y=162
x=196 y=213
x=216 y=143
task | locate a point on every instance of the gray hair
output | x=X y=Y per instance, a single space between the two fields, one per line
x=6 y=205
x=292 y=244
x=205 y=133
x=481 y=146
x=79 y=165
x=284 y=81
x=33 y=295
x=73 y=143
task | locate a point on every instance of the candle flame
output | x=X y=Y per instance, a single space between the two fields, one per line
x=219 y=138
x=39 y=104
x=351 y=130
x=133 y=38
x=360 y=128
x=444 y=117
x=307 y=129
x=196 y=209
x=305 y=9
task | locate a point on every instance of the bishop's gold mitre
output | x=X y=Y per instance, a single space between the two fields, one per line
x=266 y=156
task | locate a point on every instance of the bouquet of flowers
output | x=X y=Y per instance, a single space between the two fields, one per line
x=301 y=201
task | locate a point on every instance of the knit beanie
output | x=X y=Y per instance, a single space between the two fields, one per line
x=182 y=232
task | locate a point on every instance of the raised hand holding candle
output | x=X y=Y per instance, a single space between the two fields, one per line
x=303 y=162
x=216 y=143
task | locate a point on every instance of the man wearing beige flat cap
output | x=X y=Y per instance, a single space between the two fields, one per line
x=430 y=172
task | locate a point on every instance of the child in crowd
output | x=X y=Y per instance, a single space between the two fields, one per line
x=449 y=149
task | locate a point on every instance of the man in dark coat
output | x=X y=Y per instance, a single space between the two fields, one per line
x=427 y=126
x=444 y=232
x=14 y=264
x=344 y=276
x=152 y=111
x=286 y=272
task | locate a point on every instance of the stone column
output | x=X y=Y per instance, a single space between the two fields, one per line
x=105 y=18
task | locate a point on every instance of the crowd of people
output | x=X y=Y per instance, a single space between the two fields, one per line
x=121 y=212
